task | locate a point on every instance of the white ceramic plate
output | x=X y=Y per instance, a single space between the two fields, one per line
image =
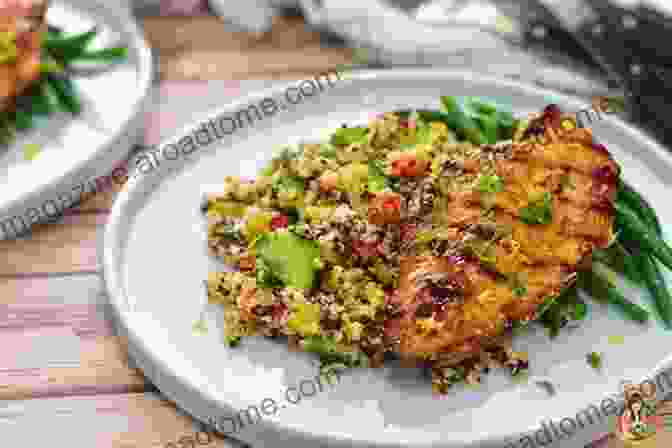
x=76 y=150
x=155 y=261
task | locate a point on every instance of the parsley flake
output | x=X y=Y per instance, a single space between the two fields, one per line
x=490 y=183
x=519 y=291
x=539 y=211
x=594 y=360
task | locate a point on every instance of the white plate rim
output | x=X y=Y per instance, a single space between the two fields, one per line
x=181 y=388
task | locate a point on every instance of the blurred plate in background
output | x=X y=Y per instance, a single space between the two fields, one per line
x=72 y=152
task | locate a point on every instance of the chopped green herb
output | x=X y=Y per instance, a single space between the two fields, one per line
x=348 y=136
x=295 y=216
x=519 y=291
x=580 y=311
x=232 y=341
x=490 y=183
x=228 y=231
x=290 y=184
x=265 y=276
x=455 y=374
x=539 y=211
x=594 y=360
x=545 y=306
x=330 y=356
x=327 y=151
x=378 y=181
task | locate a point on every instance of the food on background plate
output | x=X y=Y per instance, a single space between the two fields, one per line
x=432 y=236
x=36 y=67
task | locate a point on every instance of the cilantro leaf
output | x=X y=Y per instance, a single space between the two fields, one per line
x=539 y=211
x=348 y=136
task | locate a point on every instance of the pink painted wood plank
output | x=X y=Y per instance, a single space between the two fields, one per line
x=54 y=345
x=67 y=246
x=137 y=420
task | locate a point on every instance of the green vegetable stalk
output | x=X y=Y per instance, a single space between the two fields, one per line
x=648 y=238
x=599 y=288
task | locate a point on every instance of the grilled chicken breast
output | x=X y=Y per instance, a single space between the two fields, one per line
x=20 y=52
x=513 y=247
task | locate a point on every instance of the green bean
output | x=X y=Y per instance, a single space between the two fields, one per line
x=460 y=122
x=65 y=91
x=22 y=119
x=507 y=125
x=629 y=220
x=106 y=54
x=481 y=107
x=432 y=115
x=630 y=196
x=599 y=288
x=49 y=95
x=489 y=127
x=652 y=275
x=656 y=285
x=69 y=47
x=617 y=257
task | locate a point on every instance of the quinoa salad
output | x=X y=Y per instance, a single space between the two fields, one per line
x=432 y=236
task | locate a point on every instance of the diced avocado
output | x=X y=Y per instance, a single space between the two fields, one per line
x=289 y=257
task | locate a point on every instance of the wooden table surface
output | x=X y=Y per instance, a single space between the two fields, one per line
x=61 y=364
